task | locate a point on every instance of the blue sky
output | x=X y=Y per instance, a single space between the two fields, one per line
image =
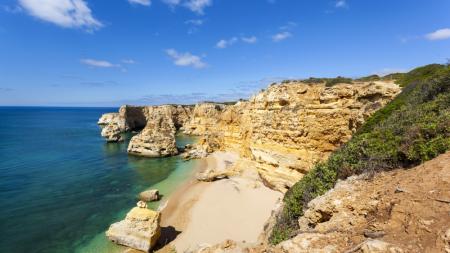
x=111 y=52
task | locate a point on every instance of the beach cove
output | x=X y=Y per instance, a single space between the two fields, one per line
x=63 y=185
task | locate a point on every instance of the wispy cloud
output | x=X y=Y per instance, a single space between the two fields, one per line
x=249 y=40
x=141 y=2
x=284 y=31
x=281 y=36
x=242 y=90
x=289 y=26
x=99 y=83
x=226 y=43
x=197 y=22
x=194 y=25
x=198 y=6
x=99 y=63
x=64 y=13
x=441 y=34
x=185 y=59
x=341 y=4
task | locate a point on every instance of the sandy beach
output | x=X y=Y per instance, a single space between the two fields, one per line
x=207 y=213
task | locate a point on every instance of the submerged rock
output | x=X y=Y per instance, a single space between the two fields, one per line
x=149 y=195
x=139 y=230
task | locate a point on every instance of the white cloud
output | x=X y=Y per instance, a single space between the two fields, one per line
x=198 y=6
x=281 y=36
x=289 y=26
x=341 y=4
x=185 y=59
x=440 y=34
x=99 y=63
x=226 y=43
x=64 y=13
x=250 y=40
x=141 y=2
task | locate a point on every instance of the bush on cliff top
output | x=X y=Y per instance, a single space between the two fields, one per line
x=413 y=128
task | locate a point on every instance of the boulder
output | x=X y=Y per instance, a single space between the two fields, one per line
x=377 y=246
x=139 y=230
x=210 y=175
x=149 y=195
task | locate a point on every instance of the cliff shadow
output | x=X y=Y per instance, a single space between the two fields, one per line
x=168 y=234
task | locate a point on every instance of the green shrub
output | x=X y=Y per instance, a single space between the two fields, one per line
x=333 y=81
x=393 y=76
x=413 y=128
x=369 y=78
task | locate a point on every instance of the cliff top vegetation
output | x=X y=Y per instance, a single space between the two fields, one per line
x=411 y=129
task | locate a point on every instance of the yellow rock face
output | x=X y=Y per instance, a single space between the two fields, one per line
x=139 y=230
x=289 y=127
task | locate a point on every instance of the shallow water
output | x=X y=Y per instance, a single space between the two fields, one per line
x=62 y=186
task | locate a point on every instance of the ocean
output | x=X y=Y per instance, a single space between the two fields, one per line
x=62 y=185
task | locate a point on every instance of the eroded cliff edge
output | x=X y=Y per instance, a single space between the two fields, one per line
x=282 y=131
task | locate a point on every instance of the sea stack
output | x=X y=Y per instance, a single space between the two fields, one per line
x=156 y=140
x=139 y=230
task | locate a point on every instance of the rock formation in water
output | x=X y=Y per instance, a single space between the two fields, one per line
x=112 y=133
x=149 y=195
x=157 y=139
x=139 y=230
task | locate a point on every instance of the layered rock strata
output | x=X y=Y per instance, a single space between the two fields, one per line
x=283 y=130
x=139 y=230
x=287 y=128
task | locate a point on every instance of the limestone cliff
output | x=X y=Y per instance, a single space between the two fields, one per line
x=285 y=129
x=157 y=139
x=282 y=131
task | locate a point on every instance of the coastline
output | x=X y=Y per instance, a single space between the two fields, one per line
x=198 y=213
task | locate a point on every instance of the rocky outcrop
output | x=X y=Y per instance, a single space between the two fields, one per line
x=149 y=195
x=393 y=212
x=204 y=117
x=111 y=118
x=289 y=127
x=284 y=130
x=112 y=132
x=156 y=140
x=193 y=151
x=139 y=230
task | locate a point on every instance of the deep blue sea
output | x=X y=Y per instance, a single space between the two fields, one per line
x=62 y=185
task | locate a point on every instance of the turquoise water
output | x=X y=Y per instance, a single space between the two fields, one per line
x=62 y=186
